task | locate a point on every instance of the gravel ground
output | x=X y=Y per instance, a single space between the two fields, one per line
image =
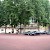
x=24 y=42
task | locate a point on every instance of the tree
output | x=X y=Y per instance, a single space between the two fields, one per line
x=23 y=12
x=47 y=9
x=41 y=11
x=1 y=14
x=16 y=13
x=11 y=16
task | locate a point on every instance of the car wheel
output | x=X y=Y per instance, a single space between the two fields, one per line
x=30 y=34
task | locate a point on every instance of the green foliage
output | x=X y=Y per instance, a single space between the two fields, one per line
x=15 y=12
x=41 y=11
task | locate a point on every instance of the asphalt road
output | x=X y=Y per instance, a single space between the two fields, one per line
x=22 y=42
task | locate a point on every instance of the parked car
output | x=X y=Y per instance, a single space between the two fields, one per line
x=48 y=32
x=38 y=32
x=35 y=33
x=44 y=32
x=32 y=33
x=27 y=33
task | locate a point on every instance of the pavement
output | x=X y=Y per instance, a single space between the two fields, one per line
x=24 y=42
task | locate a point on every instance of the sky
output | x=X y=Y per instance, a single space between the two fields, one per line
x=49 y=0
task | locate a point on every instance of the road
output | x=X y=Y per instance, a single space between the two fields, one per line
x=23 y=42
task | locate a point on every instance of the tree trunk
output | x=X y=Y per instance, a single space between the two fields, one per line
x=49 y=28
x=45 y=28
x=5 y=29
x=24 y=29
x=17 y=31
x=38 y=27
x=20 y=29
x=13 y=29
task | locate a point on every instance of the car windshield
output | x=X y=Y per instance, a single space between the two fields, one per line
x=33 y=31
